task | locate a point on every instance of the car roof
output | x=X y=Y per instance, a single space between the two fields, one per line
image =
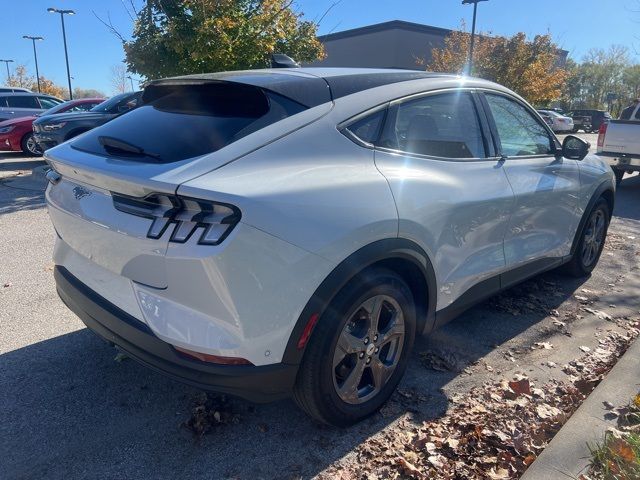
x=22 y=94
x=309 y=86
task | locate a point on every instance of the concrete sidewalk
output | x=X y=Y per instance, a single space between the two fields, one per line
x=567 y=456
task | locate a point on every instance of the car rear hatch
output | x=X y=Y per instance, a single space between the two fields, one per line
x=621 y=137
x=112 y=192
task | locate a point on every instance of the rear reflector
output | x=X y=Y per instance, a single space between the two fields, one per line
x=205 y=357
x=306 y=333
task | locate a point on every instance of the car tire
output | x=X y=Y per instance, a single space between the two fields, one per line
x=29 y=146
x=619 y=174
x=350 y=368
x=592 y=239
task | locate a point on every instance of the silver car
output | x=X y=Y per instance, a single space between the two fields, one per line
x=25 y=104
x=289 y=232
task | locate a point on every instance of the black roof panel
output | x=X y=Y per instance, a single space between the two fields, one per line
x=307 y=86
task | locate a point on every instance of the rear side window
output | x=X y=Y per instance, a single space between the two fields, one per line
x=368 y=128
x=3 y=101
x=47 y=102
x=444 y=125
x=521 y=134
x=23 y=101
x=176 y=122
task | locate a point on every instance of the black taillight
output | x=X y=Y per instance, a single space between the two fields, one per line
x=185 y=215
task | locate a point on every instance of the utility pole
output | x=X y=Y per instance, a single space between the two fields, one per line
x=7 y=62
x=35 y=55
x=473 y=32
x=64 y=38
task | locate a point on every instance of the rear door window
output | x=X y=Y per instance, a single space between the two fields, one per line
x=176 y=122
x=443 y=125
x=47 y=102
x=23 y=101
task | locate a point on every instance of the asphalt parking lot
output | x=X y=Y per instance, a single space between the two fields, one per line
x=70 y=410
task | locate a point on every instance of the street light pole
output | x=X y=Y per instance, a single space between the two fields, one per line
x=129 y=77
x=35 y=55
x=7 y=62
x=64 y=38
x=473 y=31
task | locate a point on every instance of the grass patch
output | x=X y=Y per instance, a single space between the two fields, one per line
x=618 y=456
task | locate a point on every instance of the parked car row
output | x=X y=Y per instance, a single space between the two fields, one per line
x=17 y=134
x=33 y=130
x=559 y=123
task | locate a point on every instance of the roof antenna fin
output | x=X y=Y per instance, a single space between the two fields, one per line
x=280 y=60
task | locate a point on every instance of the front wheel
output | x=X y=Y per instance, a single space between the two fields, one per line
x=29 y=146
x=359 y=350
x=592 y=239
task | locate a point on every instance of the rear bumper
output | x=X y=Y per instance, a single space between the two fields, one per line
x=254 y=383
x=622 y=162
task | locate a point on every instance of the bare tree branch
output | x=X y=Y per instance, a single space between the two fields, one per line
x=331 y=7
x=110 y=27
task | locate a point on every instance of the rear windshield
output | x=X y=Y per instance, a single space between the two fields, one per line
x=176 y=122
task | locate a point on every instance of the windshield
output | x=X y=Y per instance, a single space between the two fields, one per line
x=108 y=105
x=58 y=108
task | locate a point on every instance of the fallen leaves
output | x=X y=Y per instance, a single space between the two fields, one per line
x=493 y=431
x=209 y=411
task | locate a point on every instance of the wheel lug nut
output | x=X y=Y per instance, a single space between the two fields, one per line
x=366 y=340
x=368 y=359
x=375 y=338
x=377 y=350
x=361 y=354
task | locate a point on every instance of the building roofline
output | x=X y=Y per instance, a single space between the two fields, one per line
x=397 y=24
x=379 y=27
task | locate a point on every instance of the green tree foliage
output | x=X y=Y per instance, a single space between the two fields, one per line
x=529 y=67
x=601 y=73
x=191 y=36
x=87 y=93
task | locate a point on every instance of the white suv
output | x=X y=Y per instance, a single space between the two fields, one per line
x=275 y=232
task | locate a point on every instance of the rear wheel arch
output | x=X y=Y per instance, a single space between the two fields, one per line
x=401 y=256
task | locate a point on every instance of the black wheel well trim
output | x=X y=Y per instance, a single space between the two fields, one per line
x=384 y=253
x=604 y=190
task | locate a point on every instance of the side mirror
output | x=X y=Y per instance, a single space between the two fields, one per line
x=123 y=108
x=575 y=148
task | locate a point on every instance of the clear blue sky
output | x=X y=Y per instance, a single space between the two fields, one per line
x=577 y=25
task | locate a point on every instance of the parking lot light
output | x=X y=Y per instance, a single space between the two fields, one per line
x=7 y=62
x=64 y=38
x=35 y=55
x=473 y=32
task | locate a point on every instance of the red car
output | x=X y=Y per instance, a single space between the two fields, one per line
x=16 y=134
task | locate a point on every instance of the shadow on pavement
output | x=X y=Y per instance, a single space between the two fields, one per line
x=71 y=410
x=628 y=198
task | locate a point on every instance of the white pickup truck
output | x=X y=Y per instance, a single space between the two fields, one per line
x=619 y=140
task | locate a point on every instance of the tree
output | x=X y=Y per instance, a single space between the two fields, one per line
x=605 y=79
x=191 y=36
x=87 y=93
x=530 y=68
x=119 y=78
x=21 y=78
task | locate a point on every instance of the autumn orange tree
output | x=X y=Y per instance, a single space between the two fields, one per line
x=191 y=36
x=21 y=78
x=528 y=67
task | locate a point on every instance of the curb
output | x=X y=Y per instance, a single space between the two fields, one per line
x=567 y=456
